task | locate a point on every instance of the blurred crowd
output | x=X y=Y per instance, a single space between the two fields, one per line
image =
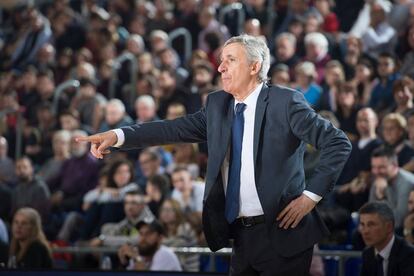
x=65 y=72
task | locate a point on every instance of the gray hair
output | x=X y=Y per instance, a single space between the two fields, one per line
x=137 y=39
x=288 y=36
x=146 y=100
x=118 y=104
x=256 y=51
x=317 y=39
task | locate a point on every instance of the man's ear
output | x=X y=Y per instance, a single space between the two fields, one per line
x=255 y=68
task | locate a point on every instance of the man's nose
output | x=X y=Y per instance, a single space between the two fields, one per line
x=221 y=68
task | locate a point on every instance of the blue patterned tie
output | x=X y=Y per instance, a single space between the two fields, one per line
x=233 y=185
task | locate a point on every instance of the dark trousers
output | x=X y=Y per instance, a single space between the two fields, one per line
x=254 y=255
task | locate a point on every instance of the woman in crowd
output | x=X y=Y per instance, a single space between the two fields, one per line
x=157 y=190
x=29 y=247
x=179 y=233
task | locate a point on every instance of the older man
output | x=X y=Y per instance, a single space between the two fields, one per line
x=255 y=189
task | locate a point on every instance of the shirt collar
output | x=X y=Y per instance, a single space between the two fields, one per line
x=251 y=100
x=386 y=251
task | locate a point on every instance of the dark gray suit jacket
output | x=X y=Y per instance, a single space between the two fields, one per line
x=284 y=122
x=400 y=263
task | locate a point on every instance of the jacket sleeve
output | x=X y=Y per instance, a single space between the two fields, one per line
x=188 y=129
x=333 y=144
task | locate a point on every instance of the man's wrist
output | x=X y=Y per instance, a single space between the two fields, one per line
x=120 y=137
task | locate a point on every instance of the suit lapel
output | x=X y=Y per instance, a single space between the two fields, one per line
x=258 y=119
x=226 y=129
x=392 y=261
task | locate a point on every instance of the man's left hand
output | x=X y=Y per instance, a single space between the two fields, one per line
x=295 y=211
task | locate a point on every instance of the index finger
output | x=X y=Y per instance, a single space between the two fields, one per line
x=91 y=139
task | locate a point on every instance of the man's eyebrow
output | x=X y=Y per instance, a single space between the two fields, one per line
x=227 y=56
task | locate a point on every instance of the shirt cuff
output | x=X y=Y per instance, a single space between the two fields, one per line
x=120 y=137
x=312 y=196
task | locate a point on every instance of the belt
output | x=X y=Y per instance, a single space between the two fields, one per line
x=250 y=221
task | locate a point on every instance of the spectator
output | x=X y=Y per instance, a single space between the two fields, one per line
x=305 y=80
x=89 y=104
x=61 y=152
x=347 y=109
x=406 y=67
x=316 y=46
x=78 y=175
x=393 y=134
x=330 y=20
x=29 y=247
x=151 y=254
x=115 y=116
x=387 y=254
x=116 y=234
x=402 y=91
x=334 y=76
x=285 y=51
x=145 y=109
x=149 y=164
x=186 y=191
x=209 y=23
x=30 y=191
x=379 y=36
x=381 y=95
x=280 y=75
x=352 y=55
x=157 y=190
x=179 y=233
x=364 y=81
x=390 y=184
x=170 y=61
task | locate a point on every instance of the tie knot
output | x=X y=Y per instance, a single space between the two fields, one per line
x=240 y=107
x=380 y=258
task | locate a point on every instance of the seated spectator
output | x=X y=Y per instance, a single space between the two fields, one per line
x=30 y=191
x=61 y=152
x=157 y=190
x=379 y=36
x=280 y=75
x=145 y=109
x=186 y=191
x=150 y=254
x=333 y=77
x=390 y=183
x=149 y=164
x=402 y=91
x=381 y=95
x=305 y=83
x=393 y=134
x=364 y=81
x=386 y=253
x=186 y=155
x=29 y=248
x=368 y=140
x=316 y=46
x=106 y=203
x=285 y=52
x=179 y=233
x=347 y=109
x=115 y=116
x=124 y=231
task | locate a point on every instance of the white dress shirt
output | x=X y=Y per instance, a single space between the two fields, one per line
x=385 y=254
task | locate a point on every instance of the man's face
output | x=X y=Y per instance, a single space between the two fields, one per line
x=182 y=181
x=144 y=112
x=374 y=230
x=285 y=49
x=366 y=122
x=133 y=205
x=236 y=71
x=113 y=114
x=24 y=170
x=149 y=165
x=392 y=132
x=382 y=167
x=149 y=241
x=386 y=66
